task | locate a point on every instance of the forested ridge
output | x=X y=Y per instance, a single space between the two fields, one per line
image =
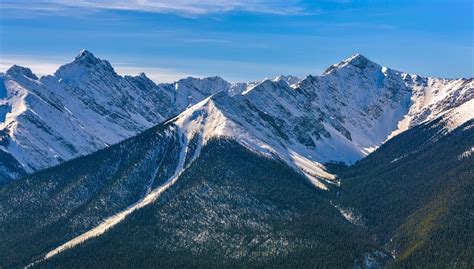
x=411 y=205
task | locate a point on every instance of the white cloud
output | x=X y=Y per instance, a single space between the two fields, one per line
x=183 y=7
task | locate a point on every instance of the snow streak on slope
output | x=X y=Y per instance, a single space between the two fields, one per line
x=433 y=97
x=466 y=153
x=459 y=115
x=117 y=218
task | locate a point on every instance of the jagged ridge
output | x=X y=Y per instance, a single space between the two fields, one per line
x=342 y=115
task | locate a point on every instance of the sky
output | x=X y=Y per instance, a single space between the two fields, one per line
x=239 y=40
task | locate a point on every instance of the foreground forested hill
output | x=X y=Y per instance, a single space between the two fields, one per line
x=407 y=205
x=416 y=194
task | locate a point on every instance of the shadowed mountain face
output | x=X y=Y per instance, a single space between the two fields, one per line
x=46 y=208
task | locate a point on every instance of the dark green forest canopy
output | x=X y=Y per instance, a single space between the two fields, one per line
x=416 y=194
x=235 y=208
x=231 y=208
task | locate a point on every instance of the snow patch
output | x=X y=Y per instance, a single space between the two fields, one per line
x=350 y=215
x=459 y=115
x=466 y=154
x=398 y=158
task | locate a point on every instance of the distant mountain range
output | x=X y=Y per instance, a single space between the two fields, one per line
x=207 y=173
x=345 y=114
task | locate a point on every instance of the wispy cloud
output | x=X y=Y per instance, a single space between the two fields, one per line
x=180 y=7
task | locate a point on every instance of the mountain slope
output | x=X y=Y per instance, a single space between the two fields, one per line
x=230 y=208
x=88 y=196
x=71 y=198
x=225 y=205
x=415 y=194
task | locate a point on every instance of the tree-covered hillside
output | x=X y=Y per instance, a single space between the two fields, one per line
x=231 y=208
x=407 y=205
x=45 y=209
x=416 y=194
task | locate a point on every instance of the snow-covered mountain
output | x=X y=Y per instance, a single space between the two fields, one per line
x=226 y=179
x=83 y=107
x=289 y=79
x=342 y=115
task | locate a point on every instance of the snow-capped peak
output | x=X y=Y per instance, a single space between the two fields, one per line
x=85 y=66
x=20 y=70
x=87 y=59
x=85 y=55
x=289 y=79
x=357 y=60
x=84 y=63
x=342 y=115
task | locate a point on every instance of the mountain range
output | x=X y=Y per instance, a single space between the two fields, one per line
x=346 y=113
x=83 y=107
x=360 y=167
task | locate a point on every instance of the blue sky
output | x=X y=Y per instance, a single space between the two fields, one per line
x=240 y=40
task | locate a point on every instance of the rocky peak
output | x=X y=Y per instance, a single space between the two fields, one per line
x=20 y=70
x=86 y=57
x=289 y=79
x=143 y=78
x=358 y=60
x=355 y=61
x=84 y=63
x=207 y=85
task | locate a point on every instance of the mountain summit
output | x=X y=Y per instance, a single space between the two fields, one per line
x=357 y=60
x=343 y=115
x=86 y=56
x=20 y=70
